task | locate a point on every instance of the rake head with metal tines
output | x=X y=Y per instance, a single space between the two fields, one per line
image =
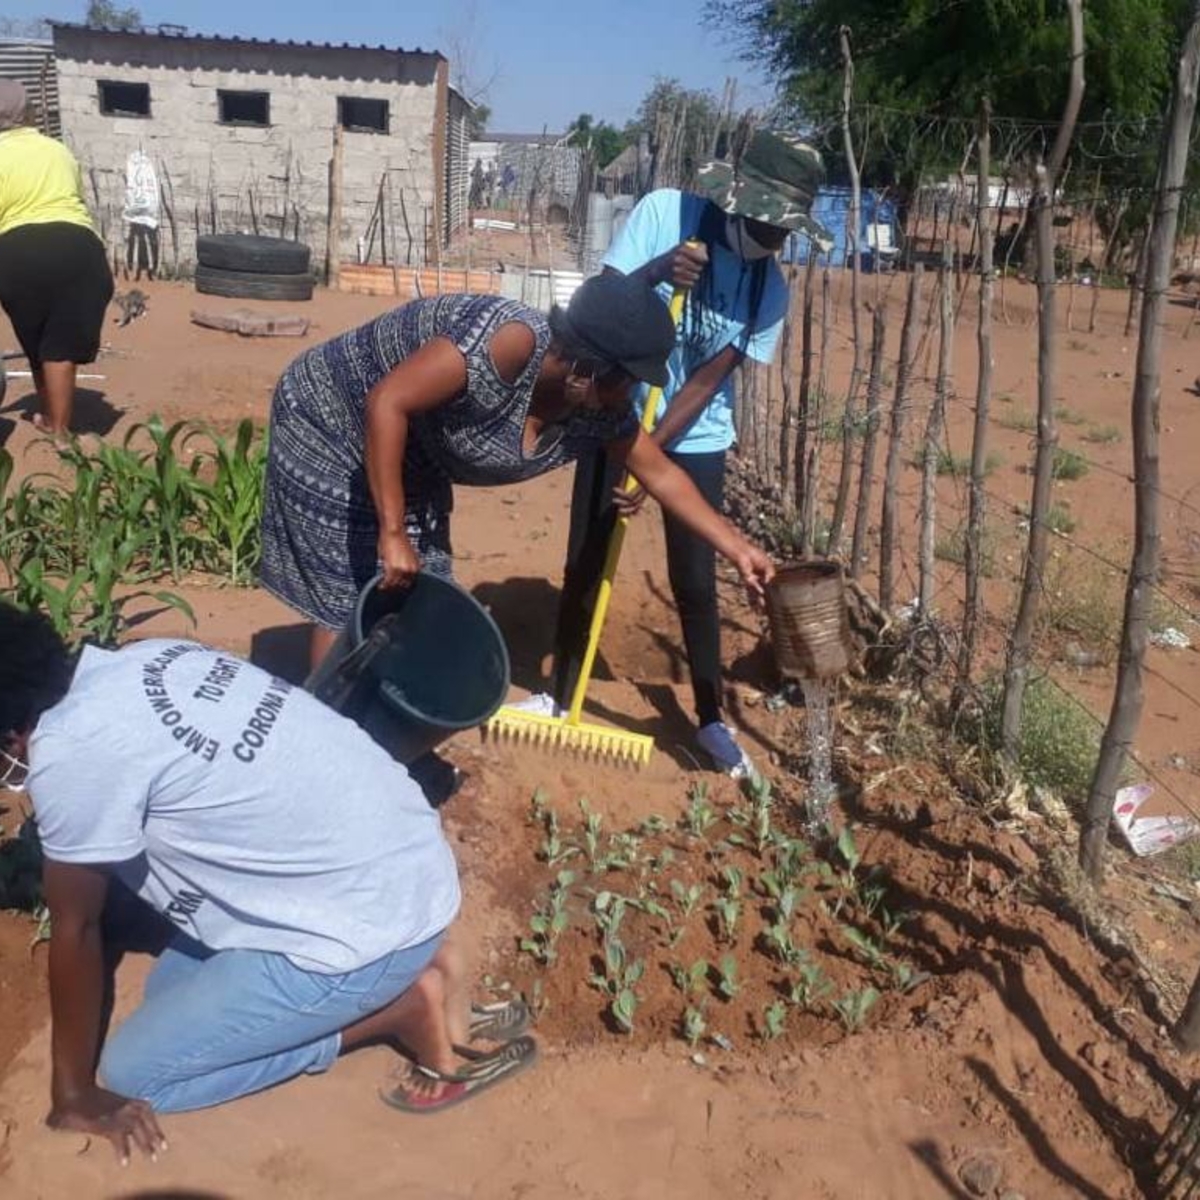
x=1177 y=1157
x=596 y=742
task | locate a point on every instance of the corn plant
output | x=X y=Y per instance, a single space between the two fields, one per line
x=762 y=802
x=774 y=1019
x=174 y=492
x=231 y=498
x=854 y=1007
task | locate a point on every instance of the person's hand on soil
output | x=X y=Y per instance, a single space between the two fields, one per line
x=122 y=1121
x=756 y=569
x=400 y=561
x=683 y=266
x=629 y=504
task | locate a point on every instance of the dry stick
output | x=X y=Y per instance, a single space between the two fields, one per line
x=853 y=218
x=1143 y=569
x=1139 y=283
x=812 y=473
x=391 y=229
x=1016 y=667
x=767 y=421
x=973 y=556
x=802 y=500
x=333 y=226
x=866 y=479
x=789 y=487
x=933 y=434
x=891 y=478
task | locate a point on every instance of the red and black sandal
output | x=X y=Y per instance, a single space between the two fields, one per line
x=481 y=1072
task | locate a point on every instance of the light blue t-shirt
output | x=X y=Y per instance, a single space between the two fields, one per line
x=658 y=223
x=241 y=808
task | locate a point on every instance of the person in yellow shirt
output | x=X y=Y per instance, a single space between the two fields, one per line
x=55 y=282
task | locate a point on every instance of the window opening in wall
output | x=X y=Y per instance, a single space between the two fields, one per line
x=124 y=99
x=362 y=116
x=243 y=108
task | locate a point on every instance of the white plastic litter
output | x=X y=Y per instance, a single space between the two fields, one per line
x=1149 y=835
x=1171 y=639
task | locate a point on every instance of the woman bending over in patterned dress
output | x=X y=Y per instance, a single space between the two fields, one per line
x=370 y=431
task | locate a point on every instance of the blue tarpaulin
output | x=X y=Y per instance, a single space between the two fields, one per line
x=830 y=207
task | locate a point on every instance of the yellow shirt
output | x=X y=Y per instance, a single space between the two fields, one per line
x=39 y=182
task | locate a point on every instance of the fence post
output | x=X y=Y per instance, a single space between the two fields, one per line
x=862 y=513
x=1126 y=709
x=891 y=478
x=933 y=434
x=853 y=224
x=973 y=547
x=1016 y=667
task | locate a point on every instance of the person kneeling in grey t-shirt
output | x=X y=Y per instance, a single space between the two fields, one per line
x=309 y=883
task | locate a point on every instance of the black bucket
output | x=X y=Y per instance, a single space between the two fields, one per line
x=438 y=665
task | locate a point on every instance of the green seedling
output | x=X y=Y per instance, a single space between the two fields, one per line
x=553 y=849
x=728 y=984
x=812 y=985
x=854 y=1007
x=867 y=948
x=906 y=978
x=694 y=1025
x=593 y=826
x=778 y=939
x=729 y=911
x=732 y=878
x=700 y=815
x=653 y=824
x=549 y=921
x=774 y=1019
x=847 y=850
x=787 y=903
x=619 y=982
x=687 y=896
x=690 y=980
x=890 y=922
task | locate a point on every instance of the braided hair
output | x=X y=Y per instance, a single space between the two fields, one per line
x=36 y=668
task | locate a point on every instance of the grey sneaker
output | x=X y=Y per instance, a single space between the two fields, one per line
x=719 y=742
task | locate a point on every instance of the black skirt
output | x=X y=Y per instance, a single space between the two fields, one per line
x=55 y=285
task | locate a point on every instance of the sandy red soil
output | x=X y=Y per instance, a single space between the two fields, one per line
x=1029 y=1044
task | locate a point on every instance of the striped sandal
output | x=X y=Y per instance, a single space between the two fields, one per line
x=499 y=1022
x=479 y=1074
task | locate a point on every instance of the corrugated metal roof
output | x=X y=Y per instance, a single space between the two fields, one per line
x=173 y=33
x=523 y=139
x=31 y=61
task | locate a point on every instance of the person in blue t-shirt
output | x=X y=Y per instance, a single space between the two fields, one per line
x=720 y=243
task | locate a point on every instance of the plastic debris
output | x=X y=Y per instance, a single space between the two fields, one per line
x=1171 y=639
x=1149 y=835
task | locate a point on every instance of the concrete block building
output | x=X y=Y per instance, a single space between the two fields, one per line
x=241 y=133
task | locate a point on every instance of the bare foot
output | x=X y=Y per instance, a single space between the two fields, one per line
x=44 y=427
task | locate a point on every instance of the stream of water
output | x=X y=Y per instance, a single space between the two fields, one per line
x=821 y=789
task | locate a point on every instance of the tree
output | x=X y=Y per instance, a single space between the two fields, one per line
x=102 y=14
x=928 y=58
x=604 y=140
x=477 y=121
x=681 y=126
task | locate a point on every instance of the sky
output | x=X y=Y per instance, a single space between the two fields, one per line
x=543 y=61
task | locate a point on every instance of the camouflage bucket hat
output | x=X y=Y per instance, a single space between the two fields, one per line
x=774 y=180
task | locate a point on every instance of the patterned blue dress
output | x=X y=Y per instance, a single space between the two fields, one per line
x=319 y=527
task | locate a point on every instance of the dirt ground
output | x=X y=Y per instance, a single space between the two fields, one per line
x=1032 y=1044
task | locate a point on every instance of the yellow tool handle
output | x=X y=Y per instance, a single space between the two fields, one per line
x=615 y=542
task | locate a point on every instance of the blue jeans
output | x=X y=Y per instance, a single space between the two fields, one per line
x=215 y=1025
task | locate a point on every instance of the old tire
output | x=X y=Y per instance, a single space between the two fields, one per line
x=253 y=285
x=246 y=252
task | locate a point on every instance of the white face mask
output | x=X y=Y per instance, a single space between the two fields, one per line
x=12 y=772
x=742 y=243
